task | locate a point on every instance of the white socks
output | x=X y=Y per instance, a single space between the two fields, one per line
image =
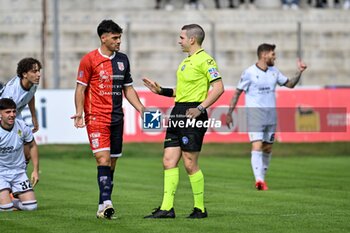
x=257 y=165
x=25 y=205
x=105 y=203
x=6 y=207
x=266 y=162
x=260 y=163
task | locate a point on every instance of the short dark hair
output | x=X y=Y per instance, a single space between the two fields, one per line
x=194 y=30
x=7 y=103
x=265 y=48
x=107 y=26
x=26 y=64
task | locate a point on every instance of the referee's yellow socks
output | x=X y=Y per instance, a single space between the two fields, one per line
x=197 y=184
x=171 y=180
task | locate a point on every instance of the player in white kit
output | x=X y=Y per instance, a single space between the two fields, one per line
x=14 y=135
x=259 y=84
x=21 y=89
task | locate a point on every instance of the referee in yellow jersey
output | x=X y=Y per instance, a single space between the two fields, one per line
x=195 y=74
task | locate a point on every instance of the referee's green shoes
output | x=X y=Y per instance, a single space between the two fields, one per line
x=158 y=213
x=197 y=213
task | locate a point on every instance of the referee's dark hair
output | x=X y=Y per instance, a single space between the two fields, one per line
x=7 y=103
x=107 y=26
x=26 y=64
x=196 y=31
x=265 y=48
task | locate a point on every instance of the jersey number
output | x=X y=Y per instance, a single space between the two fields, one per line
x=26 y=185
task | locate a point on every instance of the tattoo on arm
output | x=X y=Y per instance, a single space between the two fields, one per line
x=234 y=101
x=294 y=80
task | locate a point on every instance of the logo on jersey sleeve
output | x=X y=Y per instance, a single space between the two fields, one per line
x=214 y=73
x=19 y=132
x=121 y=66
x=210 y=62
x=183 y=67
x=81 y=74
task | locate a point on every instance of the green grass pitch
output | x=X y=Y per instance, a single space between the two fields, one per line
x=309 y=192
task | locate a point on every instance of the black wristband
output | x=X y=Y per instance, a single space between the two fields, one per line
x=166 y=92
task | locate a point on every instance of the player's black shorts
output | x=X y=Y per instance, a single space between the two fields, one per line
x=184 y=132
x=117 y=139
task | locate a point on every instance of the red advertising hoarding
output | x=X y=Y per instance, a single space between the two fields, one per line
x=304 y=115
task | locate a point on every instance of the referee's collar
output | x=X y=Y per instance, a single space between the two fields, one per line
x=197 y=52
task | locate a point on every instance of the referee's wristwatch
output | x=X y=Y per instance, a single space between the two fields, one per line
x=201 y=108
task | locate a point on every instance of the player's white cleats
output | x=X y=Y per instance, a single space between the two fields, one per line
x=107 y=212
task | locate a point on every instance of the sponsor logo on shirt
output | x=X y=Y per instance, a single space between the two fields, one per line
x=102 y=86
x=9 y=150
x=111 y=93
x=104 y=76
x=264 y=90
x=118 y=77
x=4 y=150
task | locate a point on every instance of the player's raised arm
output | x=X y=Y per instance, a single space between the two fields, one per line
x=292 y=82
x=157 y=89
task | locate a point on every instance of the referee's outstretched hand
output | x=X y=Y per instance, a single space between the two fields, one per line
x=153 y=86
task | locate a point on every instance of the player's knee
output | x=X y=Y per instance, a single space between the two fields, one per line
x=267 y=149
x=28 y=205
x=169 y=163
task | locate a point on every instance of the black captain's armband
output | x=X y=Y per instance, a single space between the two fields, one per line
x=166 y=92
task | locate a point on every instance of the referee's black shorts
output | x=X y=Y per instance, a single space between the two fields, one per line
x=184 y=132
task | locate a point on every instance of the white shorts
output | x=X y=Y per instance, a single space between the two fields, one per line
x=264 y=133
x=18 y=183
